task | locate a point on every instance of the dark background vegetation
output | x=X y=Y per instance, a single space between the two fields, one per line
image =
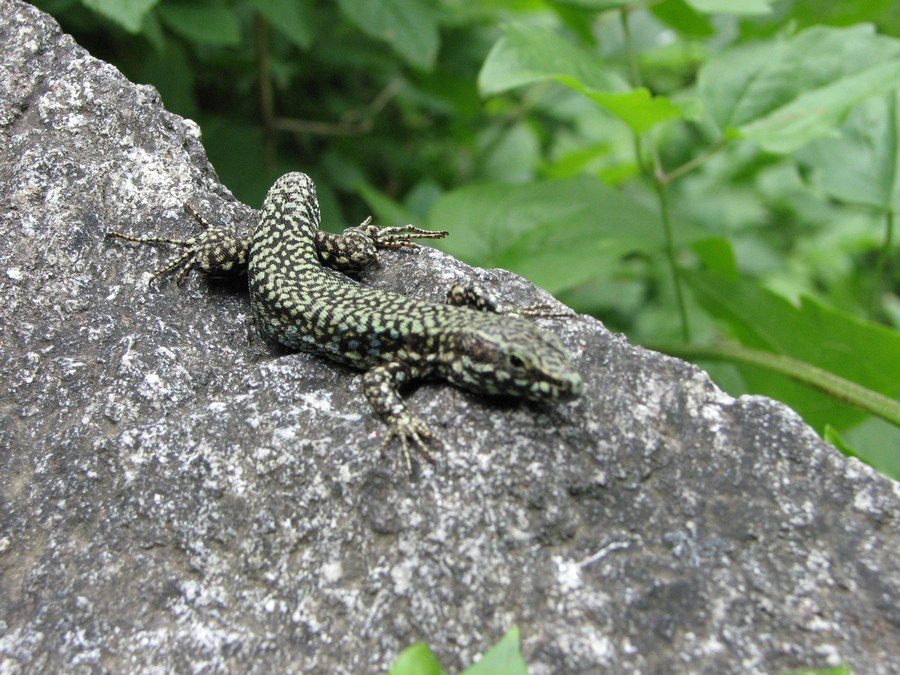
x=716 y=178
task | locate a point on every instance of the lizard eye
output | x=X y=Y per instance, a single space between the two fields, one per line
x=516 y=361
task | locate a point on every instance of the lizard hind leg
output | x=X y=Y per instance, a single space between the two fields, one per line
x=215 y=250
x=469 y=293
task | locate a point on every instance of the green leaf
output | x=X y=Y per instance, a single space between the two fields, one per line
x=679 y=15
x=836 y=670
x=504 y=658
x=862 y=166
x=732 y=6
x=292 y=18
x=717 y=255
x=169 y=70
x=416 y=660
x=832 y=436
x=637 y=108
x=883 y=13
x=207 y=22
x=864 y=353
x=815 y=113
x=127 y=13
x=555 y=233
x=529 y=54
x=784 y=94
x=408 y=26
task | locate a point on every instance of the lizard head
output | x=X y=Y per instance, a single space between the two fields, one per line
x=512 y=357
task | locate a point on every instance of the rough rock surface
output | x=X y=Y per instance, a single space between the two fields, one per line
x=178 y=495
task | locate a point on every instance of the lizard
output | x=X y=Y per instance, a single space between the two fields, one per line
x=302 y=297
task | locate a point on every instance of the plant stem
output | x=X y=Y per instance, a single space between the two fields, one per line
x=823 y=380
x=266 y=94
x=666 y=217
x=660 y=180
x=694 y=163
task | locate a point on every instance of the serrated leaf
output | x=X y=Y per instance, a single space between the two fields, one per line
x=861 y=352
x=784 y=94
x=408 y=26
x=292 y=18
x=528 y=54
x=127 y=13
x=555 y=233
x=203 y=21
x=504 y=658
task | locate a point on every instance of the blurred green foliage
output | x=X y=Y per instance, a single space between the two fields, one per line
x=697 y=173
x=504 y=658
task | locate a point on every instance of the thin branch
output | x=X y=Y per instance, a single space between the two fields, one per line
x=687 y=167
x=658 y=176
x=266 y=95
x=354 y=123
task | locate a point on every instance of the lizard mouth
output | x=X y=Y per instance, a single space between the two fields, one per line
x=569 y=387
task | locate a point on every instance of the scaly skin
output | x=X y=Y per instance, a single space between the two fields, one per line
x=300 y=299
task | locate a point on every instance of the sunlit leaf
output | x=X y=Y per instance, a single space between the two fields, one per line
x=783 y=94
x=504 y=658
x=416 y=660
x=555 y=233
x=528 y=54
x=732 y=6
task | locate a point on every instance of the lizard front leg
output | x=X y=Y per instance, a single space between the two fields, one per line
x=356 y=248
x=381 y=385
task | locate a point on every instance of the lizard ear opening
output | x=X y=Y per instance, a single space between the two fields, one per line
x=481 y=349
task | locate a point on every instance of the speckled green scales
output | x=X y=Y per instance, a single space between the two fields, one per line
x=301 y=298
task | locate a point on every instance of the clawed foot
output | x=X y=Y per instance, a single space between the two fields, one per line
x=185 y=262
x=414 y=431
x=396 y=237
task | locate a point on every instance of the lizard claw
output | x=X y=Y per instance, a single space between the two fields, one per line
x=414 y=432
x=397 y=237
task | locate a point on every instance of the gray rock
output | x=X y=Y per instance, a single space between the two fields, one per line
x=178 y=495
